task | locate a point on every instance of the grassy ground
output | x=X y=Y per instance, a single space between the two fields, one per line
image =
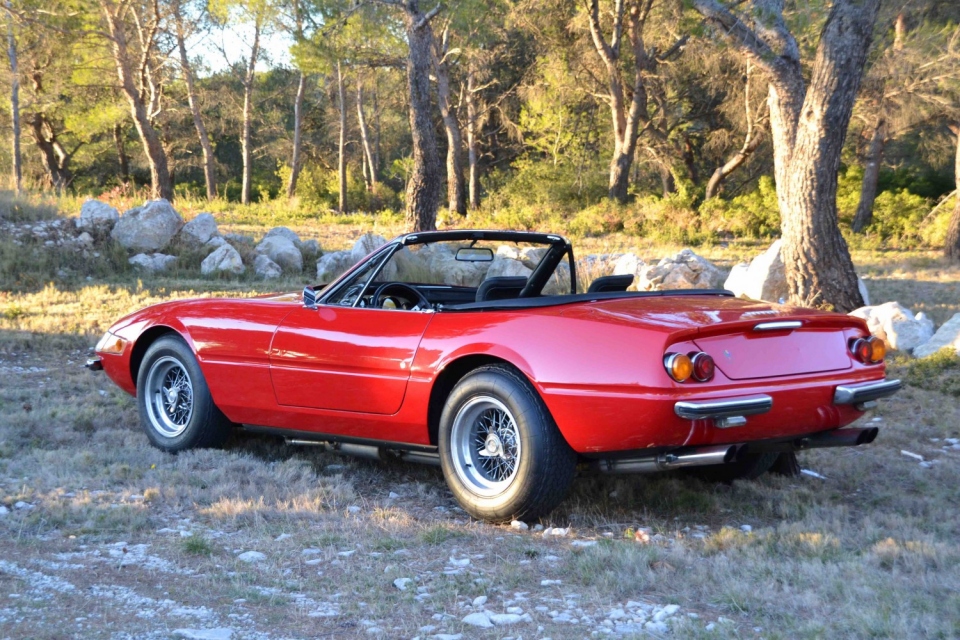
x=103 y=536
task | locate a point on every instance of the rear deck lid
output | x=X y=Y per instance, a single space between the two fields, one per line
x=751 y=353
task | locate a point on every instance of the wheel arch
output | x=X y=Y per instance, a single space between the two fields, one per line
x=143 y=343
x=451 y=374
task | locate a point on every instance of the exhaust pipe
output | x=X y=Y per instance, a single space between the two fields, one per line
x=370 y=452
x=698 y=457
x=839 y=438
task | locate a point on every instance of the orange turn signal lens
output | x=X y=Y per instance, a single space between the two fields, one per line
x=878 y=350
x=110 y=343
x=679 y=366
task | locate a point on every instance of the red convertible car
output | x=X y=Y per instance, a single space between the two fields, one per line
x=475 y=350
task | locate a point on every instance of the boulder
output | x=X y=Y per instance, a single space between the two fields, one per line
x=266 y=268
x=531 y=256
x=226 y=259
x=281 y=250
x=559 y=282
x=593 y=266
x=365 y=245
x=442 y=267
x=331 y=265
x=284 y=232
x=237 y=238
x=764 y=279
x=310 y=250
x=863 y=291
x=199 y=231
x=156 y=263
x=896 y=325
x=685 y=270
x=147 y=228
x=629 y=264
x=97 y=216
x=505 y=267
x=85 y=240
x=215 y=242
x=946 y=336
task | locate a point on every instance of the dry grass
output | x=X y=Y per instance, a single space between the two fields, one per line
x=123 y=540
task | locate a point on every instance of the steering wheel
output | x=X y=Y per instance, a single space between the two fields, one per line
x=402 y=290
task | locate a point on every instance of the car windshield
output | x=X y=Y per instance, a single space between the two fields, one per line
x=456 y=271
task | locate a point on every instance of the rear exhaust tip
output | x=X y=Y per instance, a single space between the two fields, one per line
x=732 y=452
x=868 y=435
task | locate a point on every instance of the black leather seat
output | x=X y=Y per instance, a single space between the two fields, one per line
x=500 y=288
x=611 y=283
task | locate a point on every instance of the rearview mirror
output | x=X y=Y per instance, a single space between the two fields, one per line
x=474 y=254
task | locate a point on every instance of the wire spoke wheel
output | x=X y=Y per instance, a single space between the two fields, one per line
x=486 y=446
x=169 y=396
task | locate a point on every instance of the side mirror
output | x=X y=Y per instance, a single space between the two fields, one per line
x=309 y=298
x=475 y=254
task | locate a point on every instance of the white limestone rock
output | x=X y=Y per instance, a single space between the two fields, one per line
x=284 y=232
x=155 y=263
x=266 y=268
x=310 y=250
x=331 y=265
x=479 y=619
x=97 y=216
x=365 y=245
x=199 y=231
x=251 y=556
x=685 y=270
x=281 y=250
x=214 y=243
x=863 y=291
x=507 y=267
x=149 y=227
x=763 y=279
x=442 y=267
x=226 y=259
x=629 y=264
x=896 y=325
x=947 y=336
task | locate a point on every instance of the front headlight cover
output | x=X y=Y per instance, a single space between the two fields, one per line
x=111 y=343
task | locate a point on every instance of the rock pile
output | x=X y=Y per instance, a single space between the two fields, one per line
x=908 y=333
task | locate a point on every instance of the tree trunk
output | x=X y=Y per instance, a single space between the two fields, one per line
x=160 y=181
x=342 y=147
x=626 y=115
x=297 y=136
x=808 y=128
x=16 y=164
x=456 y=196
x=871 y=175
x=667 y=181
x=246 y=143
x=376 y=123
x=122 y=160
x=209 y=171
x=370 y=169
x=53 y=156
x=423 y=187
x=472 y=141
x=817 y=261
x=952 y=247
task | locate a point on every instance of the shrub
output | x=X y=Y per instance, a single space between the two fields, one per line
x=752 y=215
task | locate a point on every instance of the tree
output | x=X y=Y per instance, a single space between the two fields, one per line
x=209 y=170
x=442 y=56
x=952 y=245
x=423 y=184
x=143 y=89
x=808 y=124
x=14 y=103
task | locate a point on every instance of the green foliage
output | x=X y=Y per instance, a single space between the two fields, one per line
x=899 y=216
x=319 y=188
x=937 y=372
x=563 y=186
x=753 y=215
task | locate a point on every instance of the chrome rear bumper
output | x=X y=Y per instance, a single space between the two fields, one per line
x=725 y=412
x=865 y=394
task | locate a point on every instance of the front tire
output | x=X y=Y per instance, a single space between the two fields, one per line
x=176 y=409
x=501 y=452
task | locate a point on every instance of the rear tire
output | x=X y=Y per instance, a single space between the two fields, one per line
x=501 y=452
x=176 y=409
x=747 y=467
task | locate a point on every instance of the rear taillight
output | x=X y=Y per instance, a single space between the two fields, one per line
x=870 y=350
x=703 y=367
x=679 y=366
x=696 y=365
